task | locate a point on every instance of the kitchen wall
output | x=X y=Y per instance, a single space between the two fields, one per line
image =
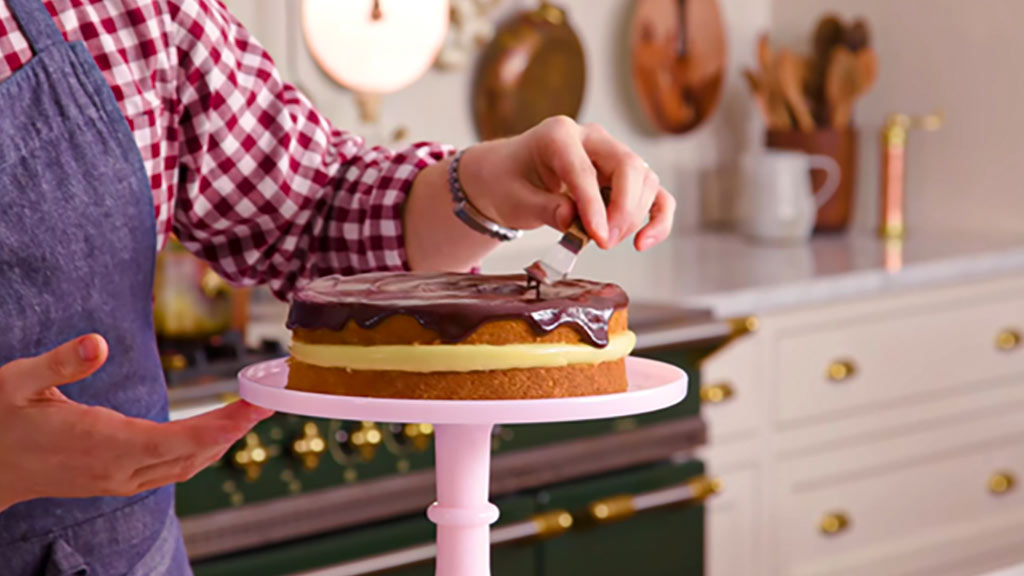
x=437 y=107
x=956 y=55
x=963 y=56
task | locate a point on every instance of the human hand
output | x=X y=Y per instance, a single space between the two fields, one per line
x=53 y=447
x=554 y=171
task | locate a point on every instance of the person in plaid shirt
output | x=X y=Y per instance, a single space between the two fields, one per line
x=251 y=178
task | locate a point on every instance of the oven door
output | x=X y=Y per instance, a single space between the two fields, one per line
x=647 y=521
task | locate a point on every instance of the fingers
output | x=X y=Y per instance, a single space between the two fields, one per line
x=67 y=363
x=180 y=439
x=562 y=152
x=660 y=225
x=628 y=175
x=176 y=451
x=579 y=159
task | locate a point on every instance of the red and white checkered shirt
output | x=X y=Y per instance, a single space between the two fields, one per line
x=244 y=171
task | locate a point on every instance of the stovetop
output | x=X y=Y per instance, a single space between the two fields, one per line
x=204 y=371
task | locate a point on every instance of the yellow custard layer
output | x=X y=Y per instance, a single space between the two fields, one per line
x=461 y=357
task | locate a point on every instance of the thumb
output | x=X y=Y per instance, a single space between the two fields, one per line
x=67 y=363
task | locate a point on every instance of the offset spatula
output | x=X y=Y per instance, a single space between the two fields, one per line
x=560 y=259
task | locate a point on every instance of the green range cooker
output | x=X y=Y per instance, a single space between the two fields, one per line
x=309 y=496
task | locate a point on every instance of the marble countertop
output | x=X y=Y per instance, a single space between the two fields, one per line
x=734 y=277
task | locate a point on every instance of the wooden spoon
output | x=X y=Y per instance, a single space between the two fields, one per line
x=858 y=36
x=757 y=91
x=829 y=33
x=770 y=104
x=771 y=89
x=867 y=65
x=792 y=72
x=850 y=77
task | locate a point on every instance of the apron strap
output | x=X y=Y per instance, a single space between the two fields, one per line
x=36 y=23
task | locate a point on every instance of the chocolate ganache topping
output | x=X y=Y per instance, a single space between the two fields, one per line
x=455 y=305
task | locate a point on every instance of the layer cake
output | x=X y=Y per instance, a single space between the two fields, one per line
x=458 y=336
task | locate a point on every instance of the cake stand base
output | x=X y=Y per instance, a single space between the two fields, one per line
x=462 y=449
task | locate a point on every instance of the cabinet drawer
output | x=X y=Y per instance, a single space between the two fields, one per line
x=729 y=389
x=882 y=509
x=899 y=358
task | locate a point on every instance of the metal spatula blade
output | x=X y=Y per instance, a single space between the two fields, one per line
x=561 y=258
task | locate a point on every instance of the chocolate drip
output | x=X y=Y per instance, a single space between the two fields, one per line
x=455 y=305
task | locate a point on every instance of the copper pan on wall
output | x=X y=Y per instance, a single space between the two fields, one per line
x=532 y=69
x=678 y=60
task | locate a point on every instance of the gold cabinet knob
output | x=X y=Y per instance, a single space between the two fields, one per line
x=309 y=447
x=251 y=456
x=1008 y=340
x=1001 y=483
x=834 y=523
x=418 y=435
x=745 y=325
x=841 y=370
x=366 y=439
x=717 y=393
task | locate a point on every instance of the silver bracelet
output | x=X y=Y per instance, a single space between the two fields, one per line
x=468 y=213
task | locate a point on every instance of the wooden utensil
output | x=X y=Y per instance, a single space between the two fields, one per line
x=792 y=72
x=757 y=92
x=778 y=113
x=867 y=66
x=842 y=85
x=678 y=59
x=771 y=105
x=857 y=36
x=533 y=69
x=829 y=33
x=850 y=76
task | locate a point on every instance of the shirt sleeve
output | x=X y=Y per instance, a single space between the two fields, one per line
x=269 y=191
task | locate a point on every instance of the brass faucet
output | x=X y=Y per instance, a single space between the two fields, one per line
x=894 y=143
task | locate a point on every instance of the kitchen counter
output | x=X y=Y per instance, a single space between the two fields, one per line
x=734 y=277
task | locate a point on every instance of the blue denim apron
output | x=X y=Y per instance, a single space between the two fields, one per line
x=77 y=254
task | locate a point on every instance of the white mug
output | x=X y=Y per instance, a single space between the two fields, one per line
x=777 y=203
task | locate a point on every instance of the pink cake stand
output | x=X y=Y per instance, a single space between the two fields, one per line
x=462 y=431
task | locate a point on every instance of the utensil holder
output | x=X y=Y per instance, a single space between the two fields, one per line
x=841 y=145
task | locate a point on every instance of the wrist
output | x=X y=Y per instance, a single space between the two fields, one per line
x=476 y=174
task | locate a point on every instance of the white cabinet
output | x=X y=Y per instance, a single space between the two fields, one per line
x=730 y=393
x=731 y=524
x=886 y=436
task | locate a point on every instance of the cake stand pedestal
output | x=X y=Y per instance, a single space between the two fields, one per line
x=462 y=449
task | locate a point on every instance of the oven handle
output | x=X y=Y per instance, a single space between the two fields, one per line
x=622 y=506
x=544 y=525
